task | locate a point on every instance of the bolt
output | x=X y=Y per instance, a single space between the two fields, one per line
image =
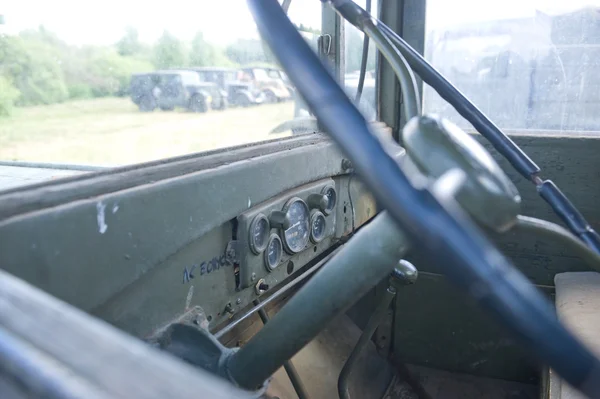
x=229 y=308
x=346 y=164
x=253 y=277
x=238 y=301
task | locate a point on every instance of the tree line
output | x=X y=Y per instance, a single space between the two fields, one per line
x=36 y=67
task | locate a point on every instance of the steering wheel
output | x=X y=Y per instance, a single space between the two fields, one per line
x=420 y=213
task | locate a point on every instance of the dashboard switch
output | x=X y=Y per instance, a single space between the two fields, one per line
x=318 y=201
x=280 y=220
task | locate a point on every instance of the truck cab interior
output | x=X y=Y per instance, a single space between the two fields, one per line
x=420 y=252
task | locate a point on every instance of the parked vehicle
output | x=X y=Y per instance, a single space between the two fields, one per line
x=276 y=73
x=274 y=90
x=169 y=89
x=238 y=93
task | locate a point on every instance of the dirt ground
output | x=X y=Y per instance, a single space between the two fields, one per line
x=111 y=131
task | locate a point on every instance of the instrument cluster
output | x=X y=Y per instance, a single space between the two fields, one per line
x=281 y=229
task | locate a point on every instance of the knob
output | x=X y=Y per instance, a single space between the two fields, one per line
x=318 y=201
x=261 y=287
x=279 y=219
x=405 y=273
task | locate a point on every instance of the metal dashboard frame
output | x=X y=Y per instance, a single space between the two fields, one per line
x=119 y=243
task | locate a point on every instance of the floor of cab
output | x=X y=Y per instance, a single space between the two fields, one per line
x=321 y=361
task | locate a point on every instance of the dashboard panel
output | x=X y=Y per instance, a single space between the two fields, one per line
x=140 y=246
x=274 y=237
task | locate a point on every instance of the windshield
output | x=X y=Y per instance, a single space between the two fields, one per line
x=526 y=64
x=79 y=91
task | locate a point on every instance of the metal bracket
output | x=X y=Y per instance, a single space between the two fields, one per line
x=324 y=43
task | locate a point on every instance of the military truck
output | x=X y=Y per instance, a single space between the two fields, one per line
x=239 y=93
x=274 y=89
x=407 y=258
x=277 y=73
x=171 y=88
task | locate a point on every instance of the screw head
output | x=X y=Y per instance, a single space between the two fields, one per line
x=346 y=164
x=238 y=301
x=253 y=277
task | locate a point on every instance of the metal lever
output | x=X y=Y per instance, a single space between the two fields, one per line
x=406 y=274
x=288 y=366
x=370 y=328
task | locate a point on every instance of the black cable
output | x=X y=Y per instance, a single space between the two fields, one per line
x=363 y=61
x=470 y=261
x=569 y=214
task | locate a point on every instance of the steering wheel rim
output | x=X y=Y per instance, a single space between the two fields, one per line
x=471 y=261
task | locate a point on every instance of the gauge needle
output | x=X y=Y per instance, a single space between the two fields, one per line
x=294 y=225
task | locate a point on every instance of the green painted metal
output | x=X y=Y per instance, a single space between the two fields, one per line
x=388 y=90
x=437 y=327
x=125 y=250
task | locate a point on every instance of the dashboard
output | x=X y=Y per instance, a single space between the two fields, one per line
x=141 y=246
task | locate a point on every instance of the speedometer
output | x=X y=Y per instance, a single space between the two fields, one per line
x=295 y=237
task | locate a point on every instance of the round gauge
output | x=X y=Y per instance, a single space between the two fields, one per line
x=317 y=227
x=259 y=233
x=273 y=252
x=331 y=195
x=295 y=237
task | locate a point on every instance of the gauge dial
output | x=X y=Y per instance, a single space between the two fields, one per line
x=317 y=227
x=331 y=195
x=259 y=233
x=273 y=252
x=296 y=236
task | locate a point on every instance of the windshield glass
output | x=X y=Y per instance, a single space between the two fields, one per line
x=354 y=46
x=527 y=64
x=77 y=90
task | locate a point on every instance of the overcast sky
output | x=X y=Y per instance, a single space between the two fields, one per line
x=223 y=21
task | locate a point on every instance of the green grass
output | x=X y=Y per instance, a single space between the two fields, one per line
x=111 y=131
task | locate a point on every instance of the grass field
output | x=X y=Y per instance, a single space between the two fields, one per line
x=111 y=131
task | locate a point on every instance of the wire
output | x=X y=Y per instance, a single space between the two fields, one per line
x=555 y=232
x=442 y=233
x=363 y=61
